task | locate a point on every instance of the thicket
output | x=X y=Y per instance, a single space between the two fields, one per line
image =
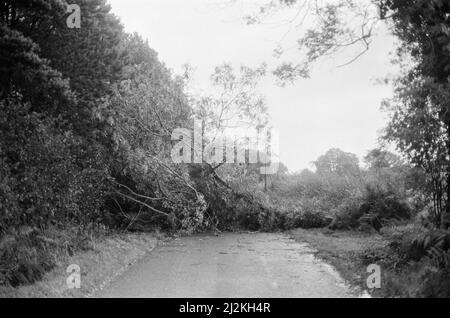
x=344 y=195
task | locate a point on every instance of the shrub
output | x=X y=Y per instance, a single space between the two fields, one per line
x=375 y=209
x=347 y=215
x=312 y=220
x=385 y=205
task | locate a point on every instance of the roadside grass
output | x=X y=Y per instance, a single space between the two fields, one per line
x=342 y=249
x=108 y=257
x=402 y=276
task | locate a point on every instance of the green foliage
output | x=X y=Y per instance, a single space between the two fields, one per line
x=385 y=191
x=373 y=210
x=312 y=220
x=415 y=262
x=151 y=191
x=50 y=176
x=347 y=215
x=25 y=72
x=419 y=111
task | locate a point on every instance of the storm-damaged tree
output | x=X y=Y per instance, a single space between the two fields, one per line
x=226 y=116
x=145 y=108
x=148 y=107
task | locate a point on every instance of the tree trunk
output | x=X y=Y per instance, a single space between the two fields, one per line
x=445 y=214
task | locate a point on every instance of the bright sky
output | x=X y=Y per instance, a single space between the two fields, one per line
x=335 y=108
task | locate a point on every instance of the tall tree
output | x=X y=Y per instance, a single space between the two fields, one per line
x=420 y=110
x=24 y=70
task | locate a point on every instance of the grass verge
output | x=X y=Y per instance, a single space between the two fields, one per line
x=342 y=249
x=109 y=257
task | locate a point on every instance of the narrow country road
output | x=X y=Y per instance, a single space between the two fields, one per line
x=231 y=265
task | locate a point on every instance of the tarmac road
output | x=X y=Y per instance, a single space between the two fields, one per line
x=239 y=265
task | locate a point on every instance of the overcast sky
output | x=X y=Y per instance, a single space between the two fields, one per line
x=335 y=108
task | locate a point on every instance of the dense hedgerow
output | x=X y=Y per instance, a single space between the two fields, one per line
x=49 y=179
x=50 y=176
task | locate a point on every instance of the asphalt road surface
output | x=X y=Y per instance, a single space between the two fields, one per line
x=230 y=265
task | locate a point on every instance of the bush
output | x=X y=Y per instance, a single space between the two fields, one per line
x=375 y=209
x=385 y=205
x=312 y=220
x=347 y=215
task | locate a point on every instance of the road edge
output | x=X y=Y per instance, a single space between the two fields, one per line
x=109 y=258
